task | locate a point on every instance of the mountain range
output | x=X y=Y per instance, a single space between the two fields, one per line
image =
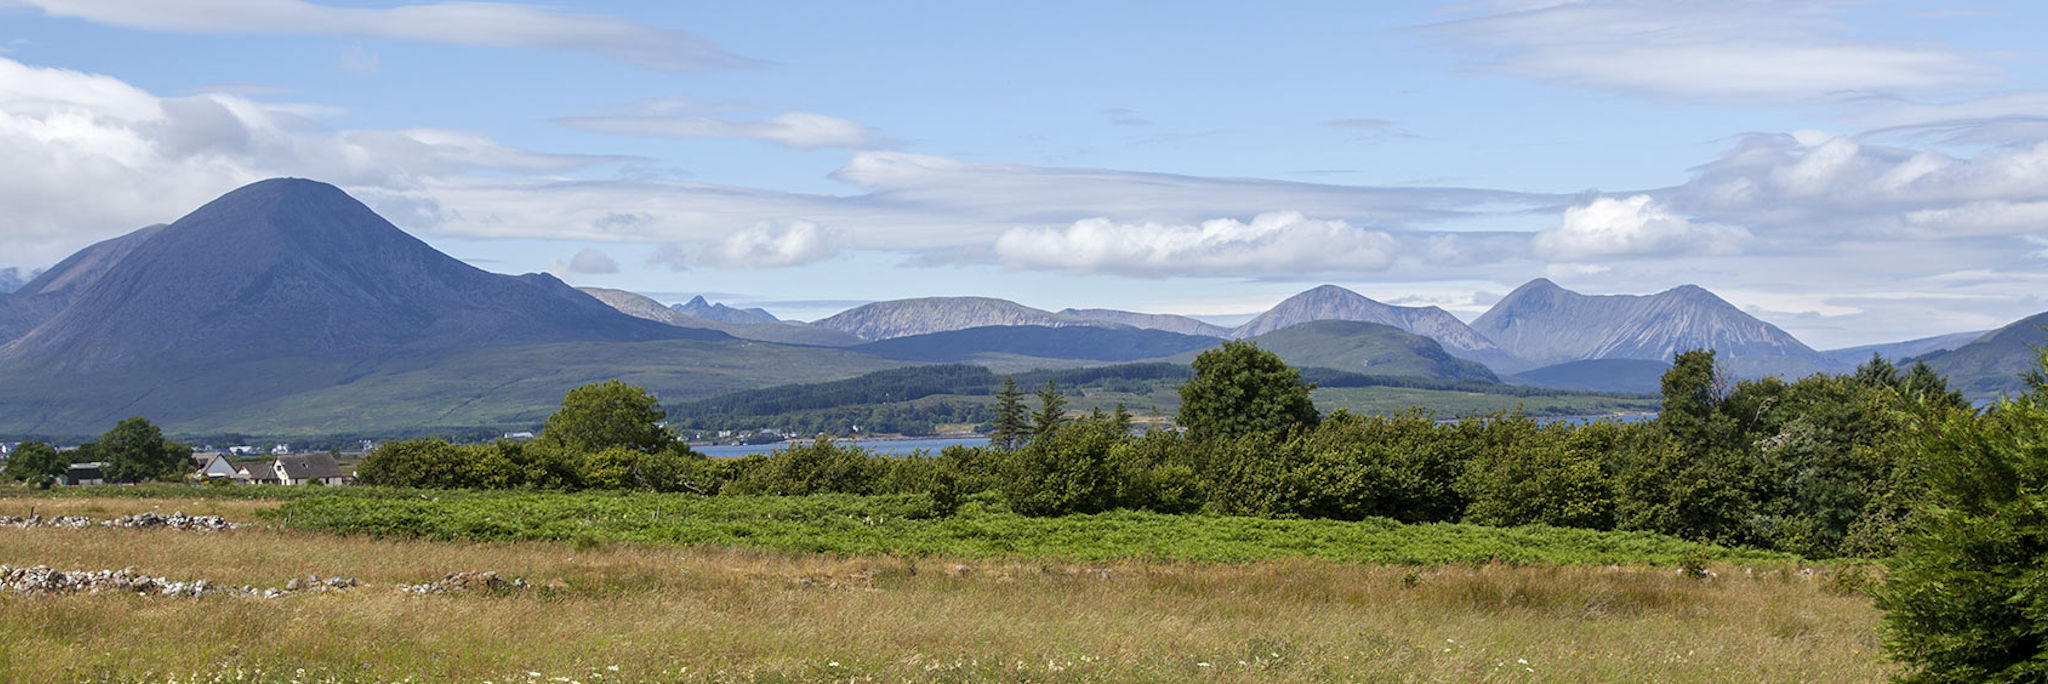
x=287 y=305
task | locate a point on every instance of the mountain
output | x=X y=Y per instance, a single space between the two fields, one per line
x=1166 y=322
x=1368 y=349
x=49 y=292
x=1546 y=324
x=642 y=306
x=1075 y=343
x=1850 y=357
x=1332 y=303
x=698 y=308
x=1641 y=376
x=925 y=315
x=1990 y=365
x=295 y=268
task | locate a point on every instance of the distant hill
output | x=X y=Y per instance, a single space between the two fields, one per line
x=1078 y=343
x=698 y=308
x=906 y=317
x=1545 y=324
x=1990 y=365
x=1148 y=321
x=1850 y=357
x=1333 y=303
x=642 y=306
x=1369 y=349
x=1641 y=376
x=293 y=268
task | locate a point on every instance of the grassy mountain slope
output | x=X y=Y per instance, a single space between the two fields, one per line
x=1368 y=348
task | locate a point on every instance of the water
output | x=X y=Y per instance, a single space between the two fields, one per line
x=890 y=447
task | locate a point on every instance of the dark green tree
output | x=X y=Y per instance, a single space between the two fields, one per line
x=1240 y=389
x=607 y=415
x=136 y=451
x=1011 y=423
x=36 y=463
x=1121 y=419
x=1052 y=410
x=1967 y=595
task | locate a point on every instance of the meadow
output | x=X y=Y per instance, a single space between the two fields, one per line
x=618 y=581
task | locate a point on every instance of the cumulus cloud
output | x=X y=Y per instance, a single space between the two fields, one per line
x=1827 y=185
x=484 y=24
x=801 y=130
x=1635 y=227
x=148 y=159
x=1274 y=243
x=1744 y=50
x=591 y=260
x=770 y=246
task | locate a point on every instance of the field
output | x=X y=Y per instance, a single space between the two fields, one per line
x=755 y=612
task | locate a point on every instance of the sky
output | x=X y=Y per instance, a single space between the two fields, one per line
x=1853 y=172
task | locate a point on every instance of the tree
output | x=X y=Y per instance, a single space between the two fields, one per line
x=606 y=415
x=1240 y=389
x=1967 y=594
x=36 y=463
x=1052 y=410
x=1010 y=426
x=136 y=451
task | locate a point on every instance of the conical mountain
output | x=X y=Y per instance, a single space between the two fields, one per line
x=295 y=268
x=1547 y=324
x=1333 y=303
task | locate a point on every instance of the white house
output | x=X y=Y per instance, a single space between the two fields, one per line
x=215 y=465
x=310 y=468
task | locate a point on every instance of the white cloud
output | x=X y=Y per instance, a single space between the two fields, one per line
x=1745 y=51
x=1277 y=243
x=593 y=261
x=1634 y=227
x=768 y=246
x=483 y=24
x=145 y=159
x=1838 y=186
x=801 y=130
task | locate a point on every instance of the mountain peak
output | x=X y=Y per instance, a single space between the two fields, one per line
x=1547 y=324
x=1330 y=302
x=697 y=301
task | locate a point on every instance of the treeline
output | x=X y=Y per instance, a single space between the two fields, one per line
x=1815 y=466
x=133 y=451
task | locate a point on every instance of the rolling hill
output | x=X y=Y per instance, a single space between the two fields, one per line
x=1991 y=365
x=1078 y=343
x=1369 y=349
x=1332 y=303
x=925 y=315
x=1641 y=376
x=1150 y=321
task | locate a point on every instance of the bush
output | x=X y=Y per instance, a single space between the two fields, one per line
x=1967 y=597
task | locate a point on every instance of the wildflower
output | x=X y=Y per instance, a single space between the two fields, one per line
x=1203 y=665
x=834 y=663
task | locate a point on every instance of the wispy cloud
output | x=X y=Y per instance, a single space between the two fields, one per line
x=1739 y=51
x=484 y=24
x=801 y=130
x=1270 y=243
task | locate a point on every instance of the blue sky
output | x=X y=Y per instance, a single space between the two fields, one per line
x=1852 y=171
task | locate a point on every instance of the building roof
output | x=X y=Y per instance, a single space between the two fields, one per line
x=84 y=471
x=259 y=471
x=308 y=467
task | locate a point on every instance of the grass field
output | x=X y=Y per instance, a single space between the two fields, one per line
x=659 y=612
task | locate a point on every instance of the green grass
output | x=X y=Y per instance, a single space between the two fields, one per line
x=894 y=525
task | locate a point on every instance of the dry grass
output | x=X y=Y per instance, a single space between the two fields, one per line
x=668 y=614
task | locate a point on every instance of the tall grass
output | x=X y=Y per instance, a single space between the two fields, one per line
x=666 y=613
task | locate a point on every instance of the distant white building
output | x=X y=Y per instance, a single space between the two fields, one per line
x=215 y=465
x=244 y=450
x=281 y=450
